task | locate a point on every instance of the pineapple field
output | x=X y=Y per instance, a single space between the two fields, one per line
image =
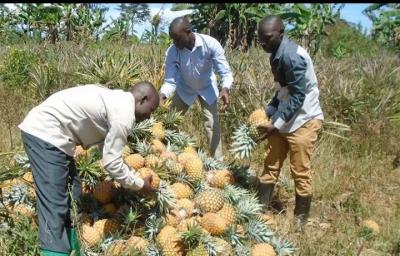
x=204 y=206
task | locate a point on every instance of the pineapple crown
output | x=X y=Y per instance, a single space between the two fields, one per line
x=142 y=147
x=209 y=162
x=248 y=207
x=165 y=198
x=19 y=194
x=257 y=230
x=283 y=247
x=153 y=226
x=243 y=143
x=22 y=161
x=233 y=236
x=179 y=139
x=212 y=247
x=141 y=130
x=191 y=237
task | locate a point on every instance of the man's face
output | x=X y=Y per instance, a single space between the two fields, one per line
x=180 y=37
x=269 y=37
x=144 y=108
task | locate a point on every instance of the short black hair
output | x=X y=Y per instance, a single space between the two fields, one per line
x=275 y=19
x=184 y=21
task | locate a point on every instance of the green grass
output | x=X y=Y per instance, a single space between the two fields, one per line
x=353 y=173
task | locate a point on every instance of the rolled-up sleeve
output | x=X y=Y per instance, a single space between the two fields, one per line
x=221 y=64
x=114 y=165
x=295 y=70
x=171 y=66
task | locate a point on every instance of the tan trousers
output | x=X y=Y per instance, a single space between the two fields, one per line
x=211 y=123
x=300 y=145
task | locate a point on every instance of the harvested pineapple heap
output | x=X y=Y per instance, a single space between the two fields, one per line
x=202 y=207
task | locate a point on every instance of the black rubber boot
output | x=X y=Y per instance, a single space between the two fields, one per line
x=265 y=192
x=302 y=211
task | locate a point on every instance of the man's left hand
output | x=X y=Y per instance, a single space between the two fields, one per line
x=265 y=131
x=224 y=96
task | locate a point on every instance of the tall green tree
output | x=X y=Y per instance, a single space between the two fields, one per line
x=134 y=14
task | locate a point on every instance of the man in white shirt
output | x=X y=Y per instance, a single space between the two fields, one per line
x=83 y=115
x=189 y=74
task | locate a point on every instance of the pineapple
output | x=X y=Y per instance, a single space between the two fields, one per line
x=214 y=223
x=104 y=192
x=174 y=167
x=172 y=219
x=219 y=179
x=228 y=213
x=244 y=142
x=136 y=243
x=107 y=226
x=116 y=248
x=157 y=147
x=181 y=190
x=110 y=208
x=135 y=161
x=145 y=172
x=226 y=248
x=168 y=155
x=157 y=131
x=258 y=117
x=186 y=205
x=27 y=177
x=151 y=161
x=171 y=243
x=263 y=249
x=90 y=235
x=210 y=200
x=190 y=150
x=194 y=169
x=184 y=157
x=258 y=231
x=199 y=250
x=371 y=225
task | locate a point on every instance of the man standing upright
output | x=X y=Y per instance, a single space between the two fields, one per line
x=189 y=73
x=296 y=116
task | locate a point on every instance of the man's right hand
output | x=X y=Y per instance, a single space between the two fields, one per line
x=147 y=188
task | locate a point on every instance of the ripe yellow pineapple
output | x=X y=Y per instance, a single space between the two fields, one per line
x=116 y=249
x=90 y=235
x=258 y=117
x=210 y=200
x=110 y=208
x=157 y=131
x=199 y=250
x=184 y=157
x=228 y=213
x=263 y=249
x=190 y=150
x=170 y=242
x=136 y=243
x=220 y=178
x=145 y=172
x=172 y=219
x=194 y=169
x=168 y=155
x=227 y=249
x=157 y=147
x=166 y=232
x=107 y=226
x=151 y=161
x=135 y=161
x=174 y=167
x=214 y=223
x=104 y=191
x=186 y=205
x=181 y=190
x=371 y=224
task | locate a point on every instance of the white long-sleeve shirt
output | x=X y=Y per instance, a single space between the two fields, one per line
x=88 y=115
x=191 y=72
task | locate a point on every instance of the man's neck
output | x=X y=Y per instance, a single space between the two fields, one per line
x=192 y=41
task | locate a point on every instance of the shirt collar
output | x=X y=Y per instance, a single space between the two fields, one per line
x=198 y=41
x=281 y=47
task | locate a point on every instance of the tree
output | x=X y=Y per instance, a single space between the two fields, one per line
x=134 y=13
x=385 y=23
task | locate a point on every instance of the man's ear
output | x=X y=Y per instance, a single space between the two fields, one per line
x=143 y=99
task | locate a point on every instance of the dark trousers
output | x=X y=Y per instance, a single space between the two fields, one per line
x=54 y=173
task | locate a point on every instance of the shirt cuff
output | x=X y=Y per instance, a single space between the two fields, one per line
x=134 y=182
x=279 y=123
x=167 y=89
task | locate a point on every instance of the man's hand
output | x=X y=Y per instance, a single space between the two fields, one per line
x=147 y=188
x=162 y=99
x=224 y=96
x=265 y=131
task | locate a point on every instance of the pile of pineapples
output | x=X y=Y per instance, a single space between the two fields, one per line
x=202 y=206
